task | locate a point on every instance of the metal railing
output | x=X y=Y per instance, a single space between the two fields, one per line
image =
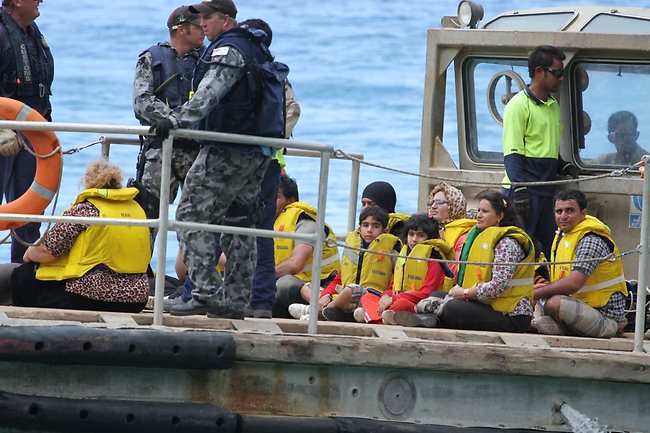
x=163 y=223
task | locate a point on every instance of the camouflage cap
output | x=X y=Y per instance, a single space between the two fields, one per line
x=209 y=6
x=182 y=15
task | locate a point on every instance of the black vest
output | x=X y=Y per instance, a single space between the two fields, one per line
x=30 y=75
x=234 y=114
x=165 y=64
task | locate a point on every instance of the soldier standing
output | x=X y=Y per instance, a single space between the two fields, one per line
x=163 y=79
x=223 y=184
x=26 y=74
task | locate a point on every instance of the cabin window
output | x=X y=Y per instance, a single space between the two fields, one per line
x=537 y=22
x=611 y=113
x=609 y=23
x=488 y=86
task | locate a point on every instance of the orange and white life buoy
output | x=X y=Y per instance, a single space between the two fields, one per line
x=48 y=170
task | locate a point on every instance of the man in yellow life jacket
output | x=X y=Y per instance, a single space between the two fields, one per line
x=294 y=258
x=583 y=298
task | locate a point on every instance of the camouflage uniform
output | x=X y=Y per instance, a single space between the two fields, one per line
x=221 y=176
x=150 y=109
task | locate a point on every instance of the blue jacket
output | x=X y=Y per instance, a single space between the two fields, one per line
x=26 y=65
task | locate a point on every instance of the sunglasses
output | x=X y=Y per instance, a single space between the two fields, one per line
x=438 y=202
x=559 y=73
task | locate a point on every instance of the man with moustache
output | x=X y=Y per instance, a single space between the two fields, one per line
x=26 y=74
x=531 y=144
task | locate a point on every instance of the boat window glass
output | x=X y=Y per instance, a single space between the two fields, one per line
x=620 y=24
x=488 y=86
x=552 y=21
x=615 y=132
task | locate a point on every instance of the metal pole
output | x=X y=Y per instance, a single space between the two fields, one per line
x=639 y=323
x=354 y=190
x=163 y=221
x=312 y=327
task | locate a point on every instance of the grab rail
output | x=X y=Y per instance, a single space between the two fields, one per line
x=163 y=224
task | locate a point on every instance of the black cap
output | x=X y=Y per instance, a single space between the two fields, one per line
x=208 y=6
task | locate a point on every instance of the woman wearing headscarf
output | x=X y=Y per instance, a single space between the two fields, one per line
x=447 y=205
x=90 y=267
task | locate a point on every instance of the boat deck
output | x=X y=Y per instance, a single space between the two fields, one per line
x=390 y=374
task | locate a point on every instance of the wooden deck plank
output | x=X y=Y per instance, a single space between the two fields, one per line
x=389 y=332
x=524 y=340
x=118 y=320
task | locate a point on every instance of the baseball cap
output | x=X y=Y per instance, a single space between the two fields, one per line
x=182 y=15
x=209 y=6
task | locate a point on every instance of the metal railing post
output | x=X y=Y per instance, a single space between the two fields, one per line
x=312 y=327
x=163 y=223
x=354 y=190
x=639 y=323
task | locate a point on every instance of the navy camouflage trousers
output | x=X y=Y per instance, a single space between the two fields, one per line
x=219 y=177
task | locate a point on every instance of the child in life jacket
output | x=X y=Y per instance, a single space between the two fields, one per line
x=361 y=268
x=414 y=277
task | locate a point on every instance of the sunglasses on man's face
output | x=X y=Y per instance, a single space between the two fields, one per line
x=559 y=73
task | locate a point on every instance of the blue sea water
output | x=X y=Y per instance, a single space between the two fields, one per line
x=357 y=67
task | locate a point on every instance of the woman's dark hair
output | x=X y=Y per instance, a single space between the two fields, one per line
x=501 y=204
x=421 y=222
x=377 y=213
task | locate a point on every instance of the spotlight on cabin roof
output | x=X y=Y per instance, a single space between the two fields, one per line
x=469 y=13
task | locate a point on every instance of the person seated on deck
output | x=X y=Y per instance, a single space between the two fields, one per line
x=488 y=297
x=293 y=258
x=622 y=128
x=89 y=267
x=383 y=194
x=415 y=277
x=447 y=205
x=586 y=298
x=360 y=270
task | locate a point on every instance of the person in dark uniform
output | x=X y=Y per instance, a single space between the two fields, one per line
x=26 y=74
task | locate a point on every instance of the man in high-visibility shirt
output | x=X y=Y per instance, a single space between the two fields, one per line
x=531 y=144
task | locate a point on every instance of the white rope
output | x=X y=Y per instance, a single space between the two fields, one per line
x=610 y=257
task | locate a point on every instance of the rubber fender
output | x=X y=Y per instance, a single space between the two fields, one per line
x=55 y=414
x=120 y=347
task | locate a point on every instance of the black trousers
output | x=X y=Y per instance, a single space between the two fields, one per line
x=476 y=316
x=27 y=291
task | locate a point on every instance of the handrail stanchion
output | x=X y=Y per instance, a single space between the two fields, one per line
x=163 y=224
x=354 y=190
x=312 y=327
x=639 y=321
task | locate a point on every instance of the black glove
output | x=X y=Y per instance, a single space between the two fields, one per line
x=162 y=128
x=572 y=170
x=522 y=203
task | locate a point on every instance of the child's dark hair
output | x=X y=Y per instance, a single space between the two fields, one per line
x=501 y=204
x=377 y=213
x=288 y=187
x=422 y=222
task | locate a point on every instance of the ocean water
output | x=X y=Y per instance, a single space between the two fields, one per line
x=357 y=68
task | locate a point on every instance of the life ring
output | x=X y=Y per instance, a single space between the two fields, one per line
x=48 y=170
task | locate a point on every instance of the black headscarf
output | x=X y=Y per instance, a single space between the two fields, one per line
x=383 y=194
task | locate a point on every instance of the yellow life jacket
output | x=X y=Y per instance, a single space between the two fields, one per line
x=376 y=269
x=410 y=273
x=482 y=250
x=124 y=249
x=455 y=229
x=607 y=278
x=396 y=222
x=286 y=222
